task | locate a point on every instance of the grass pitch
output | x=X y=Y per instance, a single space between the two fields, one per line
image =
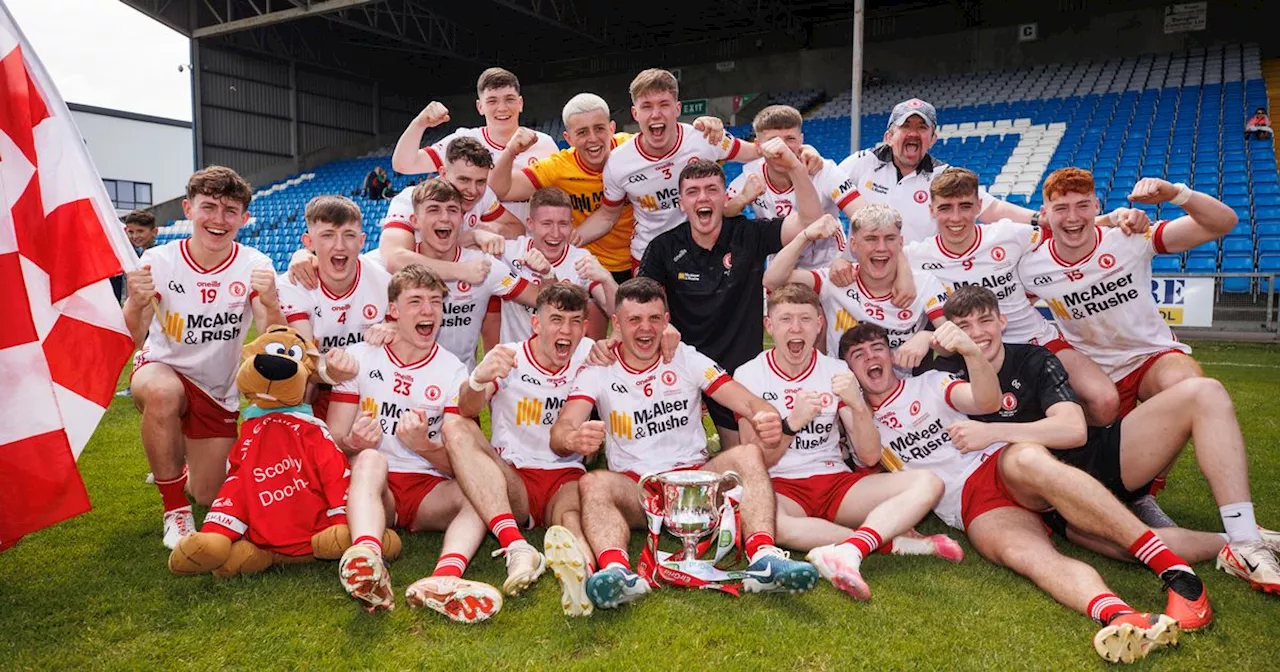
x=94 y=593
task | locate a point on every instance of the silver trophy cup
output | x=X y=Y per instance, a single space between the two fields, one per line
x=691 y=503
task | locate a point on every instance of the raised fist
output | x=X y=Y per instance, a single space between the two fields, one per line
x=521 y=141
x=806 y=406
x=712 y=129
x=340 y=366
x=432 y=115
x=475 y=272
x=1152 y=190
x=950 y=337
x=588 y=268
x=845 y=386
x=497 y=363
x=754 y=188
x=263 y=281
x=776 y=152
x=537 y=262
x=768 y=426
x=822 y=228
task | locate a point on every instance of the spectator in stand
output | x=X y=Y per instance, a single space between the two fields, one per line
x=377 y=185
x=140 y=226
x=1258 y=126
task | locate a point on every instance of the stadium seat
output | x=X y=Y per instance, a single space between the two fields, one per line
x=1202 y=265
x=1166 y=263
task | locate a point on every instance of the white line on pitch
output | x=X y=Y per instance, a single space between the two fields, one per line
x=1244 y=364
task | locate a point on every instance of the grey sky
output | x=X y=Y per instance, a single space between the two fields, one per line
x=105 y=53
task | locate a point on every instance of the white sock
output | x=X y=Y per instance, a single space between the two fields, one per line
x=1239 y=523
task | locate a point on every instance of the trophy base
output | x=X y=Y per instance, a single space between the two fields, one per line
x=704 y=570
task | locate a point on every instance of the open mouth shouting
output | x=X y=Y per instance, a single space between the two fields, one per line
x=442 y=231
x=875 y=372
x=594 y=152
x=657 y=131
x=704 y=215
x=879 y=263
x=426 y=329
x=339 y=262
x=563 y=348
x=796 y=346
x=646 y=342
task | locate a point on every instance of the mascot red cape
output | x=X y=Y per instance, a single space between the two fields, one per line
x=284 y=499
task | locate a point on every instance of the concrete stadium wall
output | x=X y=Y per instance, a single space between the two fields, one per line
x=138 y=148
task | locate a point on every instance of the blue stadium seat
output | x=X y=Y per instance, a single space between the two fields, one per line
x=1235 y=245
x=1202 y=265
x=1166 y=263
x=1269 y=263
x=1268 y=245
x=1209 y=249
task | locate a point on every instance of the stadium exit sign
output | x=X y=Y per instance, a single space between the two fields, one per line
x=692 y=107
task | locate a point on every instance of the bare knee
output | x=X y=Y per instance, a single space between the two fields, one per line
x=203 y=493
x=1208 y=393
x=1103 y=404
x=593 y=487
x=368 y=464
x=926 y=483
x=1028 y=463
x=159 y=396
x=748 y=458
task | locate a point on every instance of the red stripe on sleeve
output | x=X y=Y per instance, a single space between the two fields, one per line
x=344 y=397
x=583 y=397
x=1157 y=238
x=817 y=282
x=533 y=178
x=435 y=158
x=848 y=199
x=494 y=214
x=947 y=396
x=515 y=291
x=297 y=317
x=397 y=224
x=610 y=202
x=718 y=382
x=737 y=145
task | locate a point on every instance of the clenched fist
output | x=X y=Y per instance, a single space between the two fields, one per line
x=588 y=268
x=365 y=433
x=432 y=115
x=768 y=426
x=263 y=281
x=845 y=386
x=475 y=271
x=1152 y=190
x=537 y=262
x=754 y=188
x=521 y=141
x=1130 y=220
x=587 y=439
x=776 y=152
x=412 y=430
x=952 y=338
x=141 y=284
x=712 y=129
x=806 y=406
x=822 y=228
x=489 y=243
x=339 y=366
x=497 y=363
x=380 y=334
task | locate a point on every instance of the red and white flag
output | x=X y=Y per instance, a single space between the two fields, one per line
x=63 y=341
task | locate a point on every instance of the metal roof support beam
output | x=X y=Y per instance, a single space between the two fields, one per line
x=421 y=28
x=267 y=17
x=562 y=14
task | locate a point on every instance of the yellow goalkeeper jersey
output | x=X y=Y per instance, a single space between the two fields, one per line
x=585 y=188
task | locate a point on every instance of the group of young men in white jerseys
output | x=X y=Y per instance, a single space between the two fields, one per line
x=909 y=369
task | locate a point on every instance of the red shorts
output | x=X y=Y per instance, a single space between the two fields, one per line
x=984 y=491
x=1058 y=345
x=540 y=485
x=820 y=496
x=409 y=489
x=204 y=417
x=1128 y=386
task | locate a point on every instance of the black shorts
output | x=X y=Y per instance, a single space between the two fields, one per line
x=622 y=276
x=721 y=416
x=1100 y=458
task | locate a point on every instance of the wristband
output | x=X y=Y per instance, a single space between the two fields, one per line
x=477 y=385
x=786 y=427
x=1035 y=218
x=1184 y=194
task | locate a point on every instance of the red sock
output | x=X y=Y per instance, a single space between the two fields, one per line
x=1157 y=484
x=613 y=556
x=503 y=526
x=1107 y=606
x=886 y=548
x=756 y=541
x=865 y=539
x=369 y=541
x=452 y=564
x=1152 y=552
x=174 y=492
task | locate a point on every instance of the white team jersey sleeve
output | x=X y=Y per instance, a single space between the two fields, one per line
x=835 y=188
x=295 y=302
x=399 y=211
x=528 y=403
x=931 y=296
x=439 y=147
x=710 y=376
x=615 y=192
x=985 y=199
x=502 y=281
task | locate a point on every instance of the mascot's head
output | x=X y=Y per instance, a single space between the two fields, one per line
x=274 y=368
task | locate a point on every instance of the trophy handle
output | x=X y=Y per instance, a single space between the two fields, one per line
x=727 y=477
x=645 y=480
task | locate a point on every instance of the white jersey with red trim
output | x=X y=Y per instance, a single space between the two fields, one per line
x=816 y=447
x=388 y=387
x=1103 y=304
x=466 y=305
x=527 y=403
x=516 y=325
x=652 y=183
x=878 y=180
x=338 y=320
x=485 y=209
x=835 y=190
x=653 y=418
x=846 y=307
x=203 y=316
x=913 y=422
x=543 y=147
x=991 y=262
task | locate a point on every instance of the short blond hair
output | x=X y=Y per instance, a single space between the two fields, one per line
x=415 y=276
x=654 y=80
x=332 y=209
x=435 y=189
x=777 y=118
x=874 y=216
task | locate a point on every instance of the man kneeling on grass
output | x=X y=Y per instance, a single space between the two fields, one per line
x=994 y=492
